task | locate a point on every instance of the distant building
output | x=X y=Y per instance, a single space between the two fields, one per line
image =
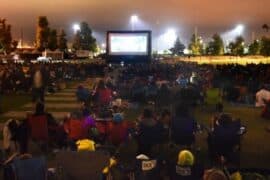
x=54 y=55
x=83 y=54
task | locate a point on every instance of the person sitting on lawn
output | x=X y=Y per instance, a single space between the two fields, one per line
x=163 y=96
x=186 y=168
x=216 y=116
x=150 y=132
x=266 y=110
x=214 y=174
x=117 y=130
x=103 y=94
x=85 y=110
x=55 y=131
x=262 y=95
x=40 y=110
x=224 y=137
x=165 y=119
x=183 y=127
x=83 y=94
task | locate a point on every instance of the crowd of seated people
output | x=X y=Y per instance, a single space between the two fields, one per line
x=166 y=96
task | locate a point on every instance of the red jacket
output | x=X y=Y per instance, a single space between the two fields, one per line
x=75 y=129
x=104 y=96
x=117 y=132
x=38 y=127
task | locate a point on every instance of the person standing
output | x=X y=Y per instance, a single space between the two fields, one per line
x=38 y=86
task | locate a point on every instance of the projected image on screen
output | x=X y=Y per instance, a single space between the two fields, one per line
x=128 y=44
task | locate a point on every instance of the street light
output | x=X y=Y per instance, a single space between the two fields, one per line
x=170 y=36
x=134 y=19
x=239 y=29
x=103 y=45
x=76 y=28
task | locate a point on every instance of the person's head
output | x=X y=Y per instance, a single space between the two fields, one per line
x=164 y=86
x=185 y=158
x=219 y=107
x=126 y=152
x=147 y=113
x=40 y=108
x=117 y=117
x=166 y=116
x=225 y=119
x=80 y=87
x=214 y=174
x=182 y=111
x=101 y=84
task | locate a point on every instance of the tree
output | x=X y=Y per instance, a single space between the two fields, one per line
x=14 y=45
x=5 y=36
x=237 y=47
x=265 y=46
x=254 y=48
x=196 y=46
x=265 y=27
x=52 y=40
x=42 y=33
x=178 y=48
x=62 y=41
x=77 y=42
x=216 y=46
x=84 y=40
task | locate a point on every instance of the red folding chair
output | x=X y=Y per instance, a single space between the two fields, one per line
x=38 y=128
x=75 y=129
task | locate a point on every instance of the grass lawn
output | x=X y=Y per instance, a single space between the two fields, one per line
x=15 y=102
x=255 y=146
x=255 y=152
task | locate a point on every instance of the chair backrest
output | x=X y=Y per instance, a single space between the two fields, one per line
x=76 y=129
x=104 y=96
x=25 y=169
x=117 y=132
x=82 y=165
x=38 y=127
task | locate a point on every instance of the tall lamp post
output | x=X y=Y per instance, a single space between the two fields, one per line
x=76 y=28
x=134 y=20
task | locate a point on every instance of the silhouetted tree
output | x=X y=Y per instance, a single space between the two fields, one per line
x=84 y=39
x=254 y=48
x=265 y=46
x=52 y=40
x=62 y=41
x=196 y=46
x=42 y=33
x=237 y=47
x=5 y=36
x=178 y=48
x=265 y=27
x=14 y=45
x=216 y=46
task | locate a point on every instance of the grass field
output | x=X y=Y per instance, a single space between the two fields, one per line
x=14 y=102
x=255 y=149
x=255 y=143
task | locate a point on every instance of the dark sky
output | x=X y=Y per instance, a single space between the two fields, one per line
x=208 y=15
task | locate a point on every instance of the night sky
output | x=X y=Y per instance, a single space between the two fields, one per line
x=209 y=16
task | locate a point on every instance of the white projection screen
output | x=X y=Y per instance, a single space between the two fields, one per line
x=128 y=43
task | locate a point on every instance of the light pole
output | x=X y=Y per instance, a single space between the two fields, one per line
x=239 y=29
x=134 y=20
x=76 y=28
